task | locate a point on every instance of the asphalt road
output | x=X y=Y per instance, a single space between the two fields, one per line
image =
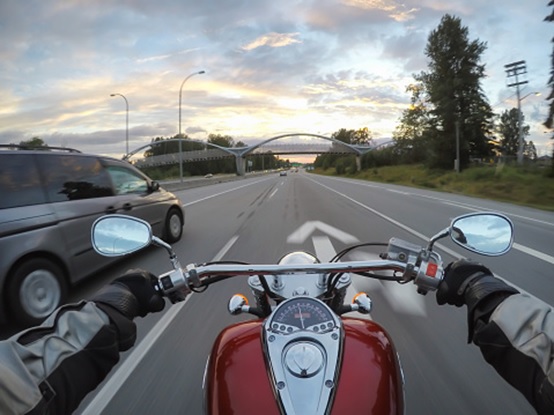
x=254 y=219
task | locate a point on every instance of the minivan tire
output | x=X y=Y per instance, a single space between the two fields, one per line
x=173 y=226
x=36 y=288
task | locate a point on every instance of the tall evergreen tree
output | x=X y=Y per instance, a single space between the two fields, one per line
x=453 y=86
x=549 y=123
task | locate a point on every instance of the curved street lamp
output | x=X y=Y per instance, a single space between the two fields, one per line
x=180 y=145
x=127 y=122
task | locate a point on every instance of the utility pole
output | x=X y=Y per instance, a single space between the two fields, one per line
x=514 y=70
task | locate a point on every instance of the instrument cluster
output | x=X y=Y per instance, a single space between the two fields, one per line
x=302 y=314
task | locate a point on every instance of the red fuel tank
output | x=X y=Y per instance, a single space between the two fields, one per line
x=370 y=382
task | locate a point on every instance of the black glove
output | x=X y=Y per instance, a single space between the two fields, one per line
x=471 y=283
x=132 y=294
x=452 y=288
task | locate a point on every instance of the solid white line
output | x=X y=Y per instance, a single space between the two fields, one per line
x=459 y=204
x=112 y=386
x=522 y=248
x=389 y=219
x=417 y=234
x=445 y=202
x=398 y=191
x=532 y=252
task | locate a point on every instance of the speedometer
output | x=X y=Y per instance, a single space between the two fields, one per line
x=302 y=313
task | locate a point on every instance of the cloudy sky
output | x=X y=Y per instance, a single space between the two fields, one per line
x=272 y=67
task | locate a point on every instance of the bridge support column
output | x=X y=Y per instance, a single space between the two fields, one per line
x=358 y=162
x=240 y=162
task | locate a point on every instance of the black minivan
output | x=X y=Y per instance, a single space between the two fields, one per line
x=48 y=201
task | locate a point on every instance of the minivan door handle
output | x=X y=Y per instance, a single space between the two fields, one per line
x=127 y=206
x=110 y=209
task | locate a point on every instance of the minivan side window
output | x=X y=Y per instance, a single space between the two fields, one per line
x=127 y=181
x=68 y=177
x=19 y=181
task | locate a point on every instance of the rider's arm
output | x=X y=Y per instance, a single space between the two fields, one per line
x=516 y=336
x=50 y=368
x=53 y=366
x=514 y=331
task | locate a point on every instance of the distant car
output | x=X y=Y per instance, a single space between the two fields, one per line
x=208 y=176
x=49 y=201
x=283 y=173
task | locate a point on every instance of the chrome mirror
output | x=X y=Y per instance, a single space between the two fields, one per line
x=488 y=234
x=118 y=235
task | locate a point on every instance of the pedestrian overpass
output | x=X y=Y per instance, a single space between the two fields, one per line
x=292 y=143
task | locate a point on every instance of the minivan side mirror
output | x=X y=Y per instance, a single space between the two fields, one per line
x=154 y=186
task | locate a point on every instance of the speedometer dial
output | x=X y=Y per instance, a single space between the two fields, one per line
x=302 y=313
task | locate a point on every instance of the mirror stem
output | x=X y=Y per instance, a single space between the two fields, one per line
x=440 y=235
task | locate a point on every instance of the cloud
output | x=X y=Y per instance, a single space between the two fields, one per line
x=270 y=66
x=274 y=40
x=395 y=10
x=195 y=130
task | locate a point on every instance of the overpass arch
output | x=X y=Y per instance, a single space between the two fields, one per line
x=349 y=148
x=173 y=140
x=240 y=153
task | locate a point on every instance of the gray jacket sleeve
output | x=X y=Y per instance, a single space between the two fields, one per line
x=517 y=339
x=49 y=369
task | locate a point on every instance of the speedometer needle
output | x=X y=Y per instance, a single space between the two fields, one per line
x=301 y=318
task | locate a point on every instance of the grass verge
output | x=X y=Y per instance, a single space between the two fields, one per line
x=504 y=183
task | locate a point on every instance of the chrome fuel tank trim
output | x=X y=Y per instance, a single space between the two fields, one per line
x=303 y=340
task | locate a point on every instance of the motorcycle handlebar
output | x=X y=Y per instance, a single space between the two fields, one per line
x=194 y=276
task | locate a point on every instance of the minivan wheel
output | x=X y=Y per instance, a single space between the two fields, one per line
x=36 y=289
x=173 y=226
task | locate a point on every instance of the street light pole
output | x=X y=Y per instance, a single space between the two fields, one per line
x=180 y=136
x=127 y=122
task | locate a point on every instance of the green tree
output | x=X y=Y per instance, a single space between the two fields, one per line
x=362 y=136
x=160 y=145
x=411 y=135
x=453 y=88
x=221 y=140
x=224 y=165
x=529 y=151
x=509 y=132
x=33 y=143
x=326 y=161
x=549 y=123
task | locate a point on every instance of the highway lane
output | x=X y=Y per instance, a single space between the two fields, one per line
x=443 y=373
x=534 y=229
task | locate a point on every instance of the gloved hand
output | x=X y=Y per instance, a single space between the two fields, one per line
x=471 y=283
x=132 y=294
x=452 y=288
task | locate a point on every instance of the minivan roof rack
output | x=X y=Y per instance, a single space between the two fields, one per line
x=41 y=148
